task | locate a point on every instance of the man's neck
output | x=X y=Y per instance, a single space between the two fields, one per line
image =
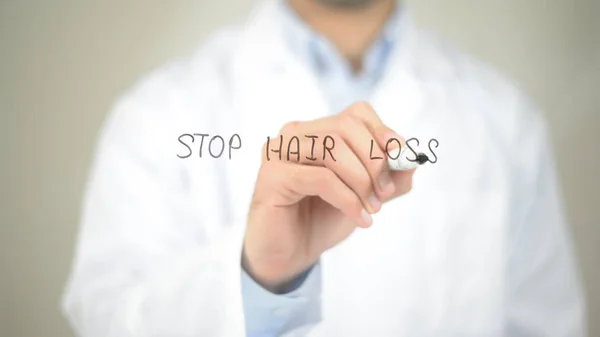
x=350 y=30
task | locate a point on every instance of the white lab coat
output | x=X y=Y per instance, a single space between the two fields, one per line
x=159 y=248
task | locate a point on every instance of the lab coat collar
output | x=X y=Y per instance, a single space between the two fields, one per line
x=273 y=86
x=263 y=46
x=311 y=46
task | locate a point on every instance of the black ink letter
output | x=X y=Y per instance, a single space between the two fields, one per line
x=201 y=141
x=328 y=148
x=297 y=153
x=387 y=145
x=231 y=141
x=371 y=152
x=184 y=144
x=267 y=148
x=280 y=145
x=312 y=150
x=222 y=146
x=413 y=151
x=429 y=146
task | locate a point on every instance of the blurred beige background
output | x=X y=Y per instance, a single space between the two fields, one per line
x=63 y=63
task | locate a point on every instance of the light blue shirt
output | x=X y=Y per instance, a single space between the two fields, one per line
x=338 y=82
x=268 y=314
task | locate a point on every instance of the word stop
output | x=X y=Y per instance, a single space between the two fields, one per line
x=216 y=145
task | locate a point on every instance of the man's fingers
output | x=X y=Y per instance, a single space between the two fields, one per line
x=343 y=162
x=332 y=133
x=351 y=170
x=402 y=181
x=354 y=145
x=298 y=181
x=386 y=138
x=388 y=141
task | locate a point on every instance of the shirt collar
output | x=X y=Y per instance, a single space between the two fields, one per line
x=321 y=56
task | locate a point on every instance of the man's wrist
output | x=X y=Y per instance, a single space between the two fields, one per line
x=277 y=278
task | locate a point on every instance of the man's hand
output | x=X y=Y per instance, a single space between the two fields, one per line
x=302 y=208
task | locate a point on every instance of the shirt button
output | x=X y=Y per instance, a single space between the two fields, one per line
x=282 y=312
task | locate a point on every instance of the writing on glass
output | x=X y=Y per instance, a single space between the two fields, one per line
x=216 y=147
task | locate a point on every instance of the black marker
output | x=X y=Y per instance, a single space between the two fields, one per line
x=398 y=160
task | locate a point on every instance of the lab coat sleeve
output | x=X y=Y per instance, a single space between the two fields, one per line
x=150 y=260
x=269 y=314
x=544 y=292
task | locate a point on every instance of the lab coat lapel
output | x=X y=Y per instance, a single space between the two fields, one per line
x=400 y=100
x=417 y=99
x=402 y=96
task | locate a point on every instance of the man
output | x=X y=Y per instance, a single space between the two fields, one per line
x=280 y=236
